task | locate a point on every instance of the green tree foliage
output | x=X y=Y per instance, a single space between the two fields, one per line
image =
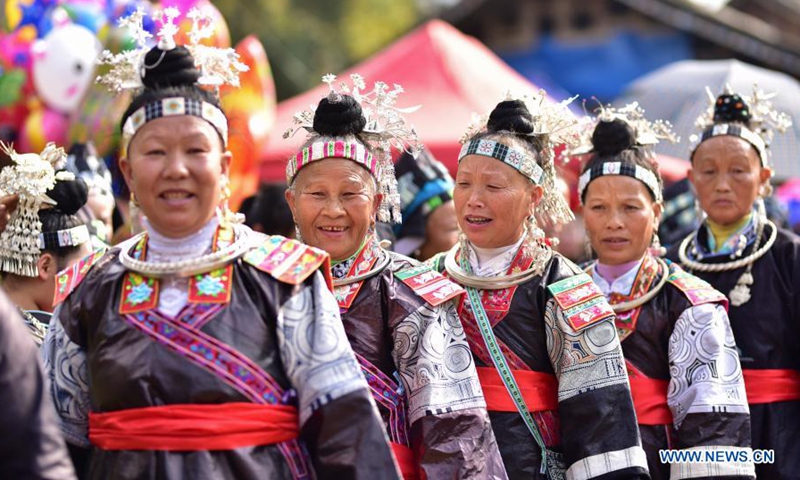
x=306 y=39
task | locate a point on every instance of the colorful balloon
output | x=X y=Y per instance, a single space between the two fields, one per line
x=251 y=111
x=43 y=125
x=63 y=66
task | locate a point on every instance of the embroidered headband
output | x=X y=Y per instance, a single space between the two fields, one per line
x=620 y=168
x=71 y=237
x=753 y=119
x=384 y=128
x=173 y=106
x=554 y=126
x=128 y=69
x=519 y=160
x=333 y=149
x=30 y=176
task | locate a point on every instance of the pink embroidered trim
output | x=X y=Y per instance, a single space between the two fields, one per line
x=336 y=149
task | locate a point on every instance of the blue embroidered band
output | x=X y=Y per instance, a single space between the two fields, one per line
x=521 y=161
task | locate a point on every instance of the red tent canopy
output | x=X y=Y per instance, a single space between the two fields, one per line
x=450 y=74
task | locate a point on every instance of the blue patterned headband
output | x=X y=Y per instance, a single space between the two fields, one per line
x=521 y=161
x=620 y=168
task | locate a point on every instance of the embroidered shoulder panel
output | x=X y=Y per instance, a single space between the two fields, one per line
x=289 y=260
x=69 y=278
x=581 y=300
x=429 y=284
x=696 y=290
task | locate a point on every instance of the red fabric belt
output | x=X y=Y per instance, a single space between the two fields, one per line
x=407 y=461
x=771 y=385
x=193 y=427
x=539 y=390
x=650 y=401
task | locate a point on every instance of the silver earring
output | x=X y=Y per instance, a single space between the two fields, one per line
x=656 y=249
x=297 y=235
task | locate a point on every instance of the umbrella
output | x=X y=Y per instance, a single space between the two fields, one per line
x=676 y=93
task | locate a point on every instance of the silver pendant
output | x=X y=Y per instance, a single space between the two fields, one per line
x=739 y=295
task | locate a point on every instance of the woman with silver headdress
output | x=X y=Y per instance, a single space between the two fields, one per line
x=688 y=394
x=757 y=265
x=398 y=316
x=44 y=235
x=540 y=331
x=199 y=349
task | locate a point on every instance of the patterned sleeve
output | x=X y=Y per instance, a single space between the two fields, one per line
x=599 y=433
x=339 y=420
x=65 y=365
x=706 y=392
x=450 y=426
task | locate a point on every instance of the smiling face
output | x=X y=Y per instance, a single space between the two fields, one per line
x=334 y=203
x=492 y=201
x=176 y=168
x=727 y=175
x=620 y=217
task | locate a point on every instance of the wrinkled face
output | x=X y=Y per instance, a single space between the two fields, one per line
x=176 y=168
x=620 y=217
x=492 y=201
x=334 y=205
x=727 y=175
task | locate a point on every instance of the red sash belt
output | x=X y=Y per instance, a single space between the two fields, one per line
x=406 y=460
x=193 y=427
x=771 y=385
x=650 y=401
x=539 y=390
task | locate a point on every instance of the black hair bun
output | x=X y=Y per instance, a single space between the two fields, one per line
x=169 y=68
x=731 y=108
x=69 y=195
x=511 y=116
x=339 y=116
x=611 y=138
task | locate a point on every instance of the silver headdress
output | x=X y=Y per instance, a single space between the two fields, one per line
x=30 y=177
x=648 y=134
x=554 y=127
x=752 y=118
x=217 y=66
x=385 y=128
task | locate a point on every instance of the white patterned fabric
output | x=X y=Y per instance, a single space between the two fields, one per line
x=603 y=463
x=438 y=370
x=704 y=365
x=585 y=360
x=314 y=349
x=65 y=363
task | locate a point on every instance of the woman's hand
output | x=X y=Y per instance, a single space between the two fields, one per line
x=8 y=204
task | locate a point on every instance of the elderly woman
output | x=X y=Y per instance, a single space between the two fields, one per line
x=44 y=237
x=745 y=256
x=541 y=332
x=200 y=349
x=406 y=335
x=687 y=394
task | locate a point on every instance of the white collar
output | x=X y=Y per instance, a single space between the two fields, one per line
x=490 y=262
x=621 y=285
x=160 y=247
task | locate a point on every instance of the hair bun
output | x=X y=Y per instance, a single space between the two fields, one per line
x=731 y=108
x=69 y=195
x=169 y=68
x=338 y=117
x=611 y=138
x=511 y=116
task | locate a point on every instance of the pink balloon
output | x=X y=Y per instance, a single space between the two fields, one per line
x=42 y=126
